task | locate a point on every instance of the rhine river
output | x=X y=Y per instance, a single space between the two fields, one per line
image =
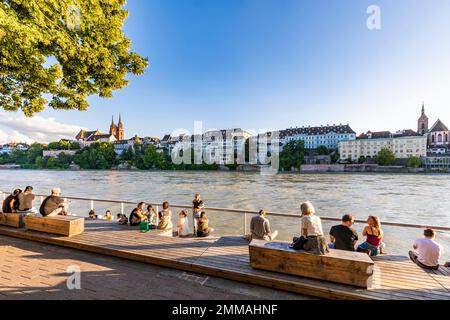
x=415 y=199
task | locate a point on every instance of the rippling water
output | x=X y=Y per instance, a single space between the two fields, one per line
x=401 y=198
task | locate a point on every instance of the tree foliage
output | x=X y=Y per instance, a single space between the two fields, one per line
x=385 y=157
x=414 y=162
x=292 y=155
x=63 y=49
x=323 y=150
x=96 y=156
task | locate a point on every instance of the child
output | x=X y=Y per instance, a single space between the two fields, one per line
x=108 y=216
x=151 y=216
x=183 y=225
x=92 y=215
x=122 y=219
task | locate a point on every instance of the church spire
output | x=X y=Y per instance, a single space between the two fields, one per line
x=120 y=119
x=423 y=108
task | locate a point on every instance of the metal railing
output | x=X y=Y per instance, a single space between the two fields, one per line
x=245 y=213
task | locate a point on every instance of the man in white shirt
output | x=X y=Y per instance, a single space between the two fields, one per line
x=428 y=251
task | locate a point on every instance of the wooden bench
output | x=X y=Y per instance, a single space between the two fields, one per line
x=11 y=220
x=353 y=268
x=62 y=225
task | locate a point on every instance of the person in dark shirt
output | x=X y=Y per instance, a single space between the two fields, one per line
x=197 y=206
x=54 y=205
x=11 y=202
x=343 y=236
x=137 y=215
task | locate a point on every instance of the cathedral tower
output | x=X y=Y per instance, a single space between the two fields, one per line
x=113 y=128
x=120 y=131
x=422 y=123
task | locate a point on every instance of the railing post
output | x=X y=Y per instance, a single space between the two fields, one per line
x=245 y=223
x=157 y=215
x=92 y=204
x=4 y=197
x=42 y=199
x=121 y=208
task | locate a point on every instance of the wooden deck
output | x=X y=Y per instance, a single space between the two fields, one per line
x=395 y=277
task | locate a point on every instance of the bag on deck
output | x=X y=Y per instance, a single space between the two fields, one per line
x=299 y=243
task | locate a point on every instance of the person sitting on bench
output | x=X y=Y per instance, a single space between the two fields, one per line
x=312 y=239
x=343 y=236
x=428 y=251
x=137 y=215
x=203 y=230
x=260 y=227
x=26 y=199
x=54 y=205
x=11 y=202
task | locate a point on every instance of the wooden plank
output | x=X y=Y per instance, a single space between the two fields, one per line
x=11 y=220
x=228 y=257
x=345 y=267
x=62 y=225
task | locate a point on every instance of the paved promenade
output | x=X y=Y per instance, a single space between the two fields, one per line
x=30 y=270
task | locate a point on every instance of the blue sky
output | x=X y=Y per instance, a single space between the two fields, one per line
x=272 y=64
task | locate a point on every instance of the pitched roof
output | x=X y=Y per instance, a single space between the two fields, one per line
x=316 y=130
x=96 y=137
x=439 y=126
x=84 y=135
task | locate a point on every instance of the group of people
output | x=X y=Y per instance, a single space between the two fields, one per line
x=22 y=202
x=426 y=253
x=148 y=219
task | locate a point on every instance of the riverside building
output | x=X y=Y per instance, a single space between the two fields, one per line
x=314 y=137
x=404 y=144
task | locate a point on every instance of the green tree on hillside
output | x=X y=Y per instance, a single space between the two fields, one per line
x=63 y=49
x=33 y=153
x=96 y=156
x=322 y=150
x=292 y=155
x=385 y=157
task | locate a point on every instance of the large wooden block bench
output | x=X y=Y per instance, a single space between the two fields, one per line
x=11 y=220
x=352 y=268
x=62 y=225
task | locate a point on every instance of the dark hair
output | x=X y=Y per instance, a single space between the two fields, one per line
x=119 y=215
x=16 y=192
x=149 y=207
x=140 y=204
x=348 y=218
x=203 y=214
x=165 y=205
x=29 y=188
x=183 y=212
x=261 y=212
x=429 y=233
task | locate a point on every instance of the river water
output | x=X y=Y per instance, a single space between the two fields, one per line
x=416 y=199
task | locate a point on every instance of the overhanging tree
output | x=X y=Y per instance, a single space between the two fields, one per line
x=64 y=51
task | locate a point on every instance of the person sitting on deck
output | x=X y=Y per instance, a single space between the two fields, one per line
x=122 y=219
x=260 y=227
x=311 y=231
x=343 y=236
x=183 y=225
x=92 y=215
x=374 y=237
x=152 y=217
x=447 y=264
x=11 y=202
x=197 y=206
x=137 y=215
x=165 y=217
x=108 y=216
x=26 y=199
x=54 y=205
x=203 y=230
x=428 y=251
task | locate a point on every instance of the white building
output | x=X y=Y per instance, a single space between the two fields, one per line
x=214 y=146
x=9 y=147
x=314 y=137
x=404 y=144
